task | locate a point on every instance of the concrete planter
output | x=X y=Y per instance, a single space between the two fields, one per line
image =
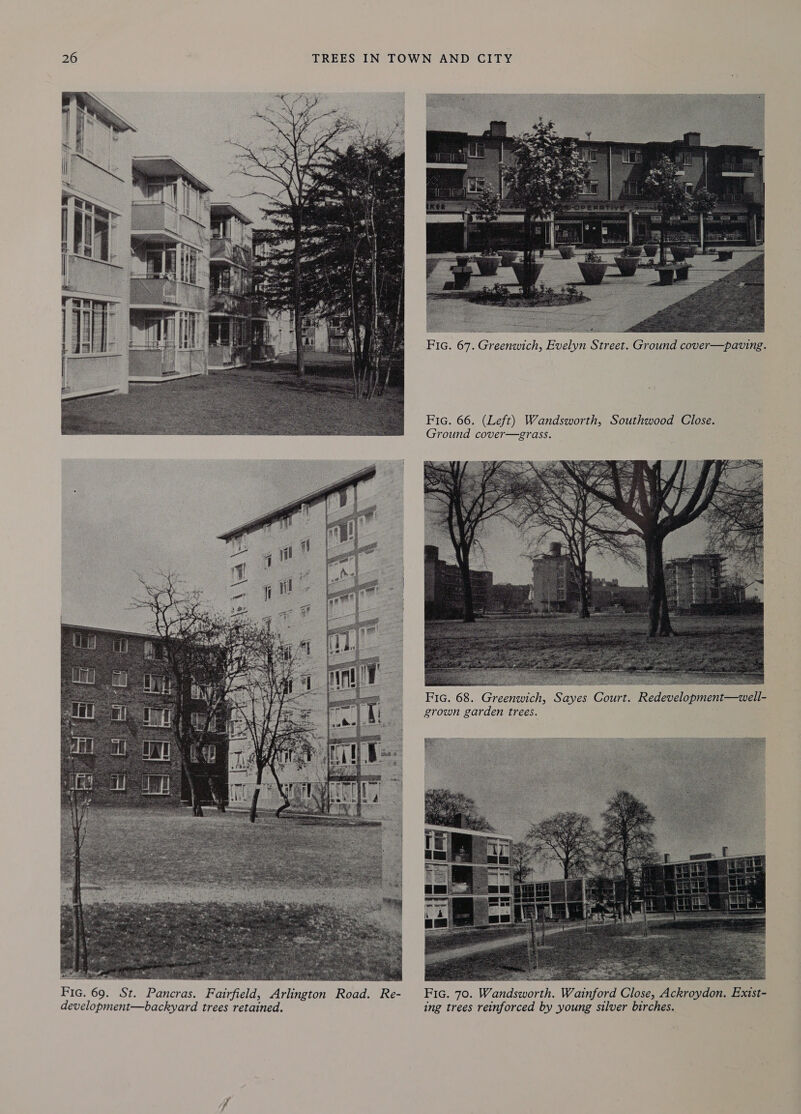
x=508 y=258
x=593 y=273
x=633 y=251
x=724 y=255
x=488 y=264
x=567 y=251
x=520 y=272
x=679 y=252
x=461 y=277
x=651 y=250
x=627 y=265
x=666 y=275
x=462 y=260
x=682 y=271
x=691 y=250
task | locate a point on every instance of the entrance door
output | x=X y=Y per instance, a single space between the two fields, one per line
x=592 y=232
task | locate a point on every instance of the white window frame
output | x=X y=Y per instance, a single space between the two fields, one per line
x=118 y=683
x=87 y=705
x=119 y=747
x=119 y=645
x=82 y=744
x=161 y=747
x=83 y=640
x=121 y=780
x=164 y=785
x=83 y=675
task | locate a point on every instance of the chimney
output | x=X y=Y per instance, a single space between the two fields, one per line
x=692 y=139
x=458 y=821
x=666 y=857
x=556 y=549
x=498 y=129
x=725 y=851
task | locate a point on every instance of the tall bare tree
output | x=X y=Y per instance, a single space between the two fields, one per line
x=656 y=498
x=735 y=521
x=522 y=858
x=627 y=837
x=567 y=837
x=552 y=503
x=300 y=135
x=79 y=798
x=467 y=495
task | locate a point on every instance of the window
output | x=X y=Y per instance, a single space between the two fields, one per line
x=368 y=674
x=197 y=720
x=285 y=586
x=341 y=606
x=119 y=713
x=119 y=748
x=81 y=710
x=342 y=679
x=83 y=641
x=268 y=592
x=305 y=682
x=119 y=645
x=95 y=139
x=436 y=879
x=155 y=785
x=305 y=647
x=285 y=618
x=154 y=651
x=155 y=683
x=83 y=781
x=436 y=844
x=118 y=783
x=285 y=554
x=341 y=533
x=91 y=230
x=497 y=851
x=305 y=545
x=239 y=573
x=476 y=185
x=367 y=523
x=338 y=570
x=498 y=881
x=371 y=753
x=285 y=521
x=370 y=792
x=119 y=678
x=208 y=753
x=500 y=910
x=82 y=676
x=268 y=561
x=305 y=611
x=92 y=328
x=338 y=499
x=189 y=335
x=590 y=186
x=342 y=754
x=370 y=714
x=239 y=604
x=632 y=154
x=475 y=149
x=304 y=511
x=156 y=717
x=368 y=597
x=156 y=750
x=368 y=636
x=238 y=543
x=589 y=154
x=82 y=745
x=342 y=642
x=188 y=258
x=344 y=716
x=436 y=914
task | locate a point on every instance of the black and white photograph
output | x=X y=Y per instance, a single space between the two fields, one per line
x=581 y=572
x=232 y=263
x=602 y=859
x=595 y=213
x=231 y=662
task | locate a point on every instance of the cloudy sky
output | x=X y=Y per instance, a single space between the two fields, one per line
x=724 y=118
x=195 y=128
x=123 y=517
x=703 y=792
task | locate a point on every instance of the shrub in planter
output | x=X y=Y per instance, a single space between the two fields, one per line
x=488 y=263
x=666 y=275
x=593 y=268
x=679 y=252
x=633 y=251
x=508 y=258
x=567 y=251
x=462 y=260
x=520 y=272
x=627 y=264
x=651 y=249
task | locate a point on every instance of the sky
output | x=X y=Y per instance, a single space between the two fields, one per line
x=501 y=549
x=703 y=793
x=194 y=128
x=123 y=517
x=721 y=118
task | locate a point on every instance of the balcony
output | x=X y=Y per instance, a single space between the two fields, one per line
x=153 y=290
x=224 y=302
x=455 y=159
x=259 y=306
x=154 y=216
x=738 y=168
x=441 y=193
x=223 y=248
x=66 y=162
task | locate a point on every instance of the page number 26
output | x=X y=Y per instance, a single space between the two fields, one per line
x=66 y=59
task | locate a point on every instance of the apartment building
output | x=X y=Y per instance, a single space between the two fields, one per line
x=230 y=287
x=444 y=588
x=468 y=878
x=694 y=582
x=553 y=583
x=118 y=723
x=95 y=241
x=611 y=209
x=326 y=571
x=565 y=899
x=169 y=271
x=706 y=883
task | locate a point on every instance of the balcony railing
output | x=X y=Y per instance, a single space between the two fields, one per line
x=446 y=156
x=65 y=266
x=65 y=162
x=151 y=290
x=445 y=194
x=738 y=166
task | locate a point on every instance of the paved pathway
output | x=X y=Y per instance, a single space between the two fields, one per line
x=615 y=306
x=489 y=675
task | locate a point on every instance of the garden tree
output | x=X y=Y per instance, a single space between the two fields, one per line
x=445 y=807
x=486 y=210
x=299 y=137
x=522 y=858
x=665 y=184
x=656 y=498
x=547 y=171
x=627 y=838
x=79 y=800
x=466 y=495
x=756 y=889
x=551 y=502
x=354 y=254
x=206 y=654
x=267 y=702
x=703 y=203
x=567 y=837
x=735 y=517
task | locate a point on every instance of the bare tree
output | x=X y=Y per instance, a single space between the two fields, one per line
x=79 y=797
x=567 y=837
x=206 y=655
x=627 y=837
x=656 y=498
x=735 y=519
x=468 y=494
x=300 y=137
x=267 y=701
x=522 y=858
x=551 y=502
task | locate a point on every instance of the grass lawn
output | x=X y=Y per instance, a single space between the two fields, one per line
x=263 y=940
x=725 y=644
x=684 y=950
x=734 y=304
x=243 y=401
x=175 y=926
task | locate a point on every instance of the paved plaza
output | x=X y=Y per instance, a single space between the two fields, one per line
x=617 y=305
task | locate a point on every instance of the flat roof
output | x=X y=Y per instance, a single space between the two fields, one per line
x=312 y=496
x=469 y=831
x=97 y=105
x=166 y=166
x=231 y=210
x=108 y=630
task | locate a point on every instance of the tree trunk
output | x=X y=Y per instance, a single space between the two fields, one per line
x=467 y=591
x=527 y=254
x=197 y=808
x=584 y=603
x=254 y=801
x=658 y=614
x=701 y=231
x=662 y=243
x=300 y=366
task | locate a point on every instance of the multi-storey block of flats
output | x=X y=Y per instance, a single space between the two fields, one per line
x=706 y=883
x=230 y=284
x=611 y=209
x=468 y=878
x=118 y=720
x=95 y=246
x=169 y=271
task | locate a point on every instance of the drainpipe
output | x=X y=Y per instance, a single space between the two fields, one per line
x=609 y=171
